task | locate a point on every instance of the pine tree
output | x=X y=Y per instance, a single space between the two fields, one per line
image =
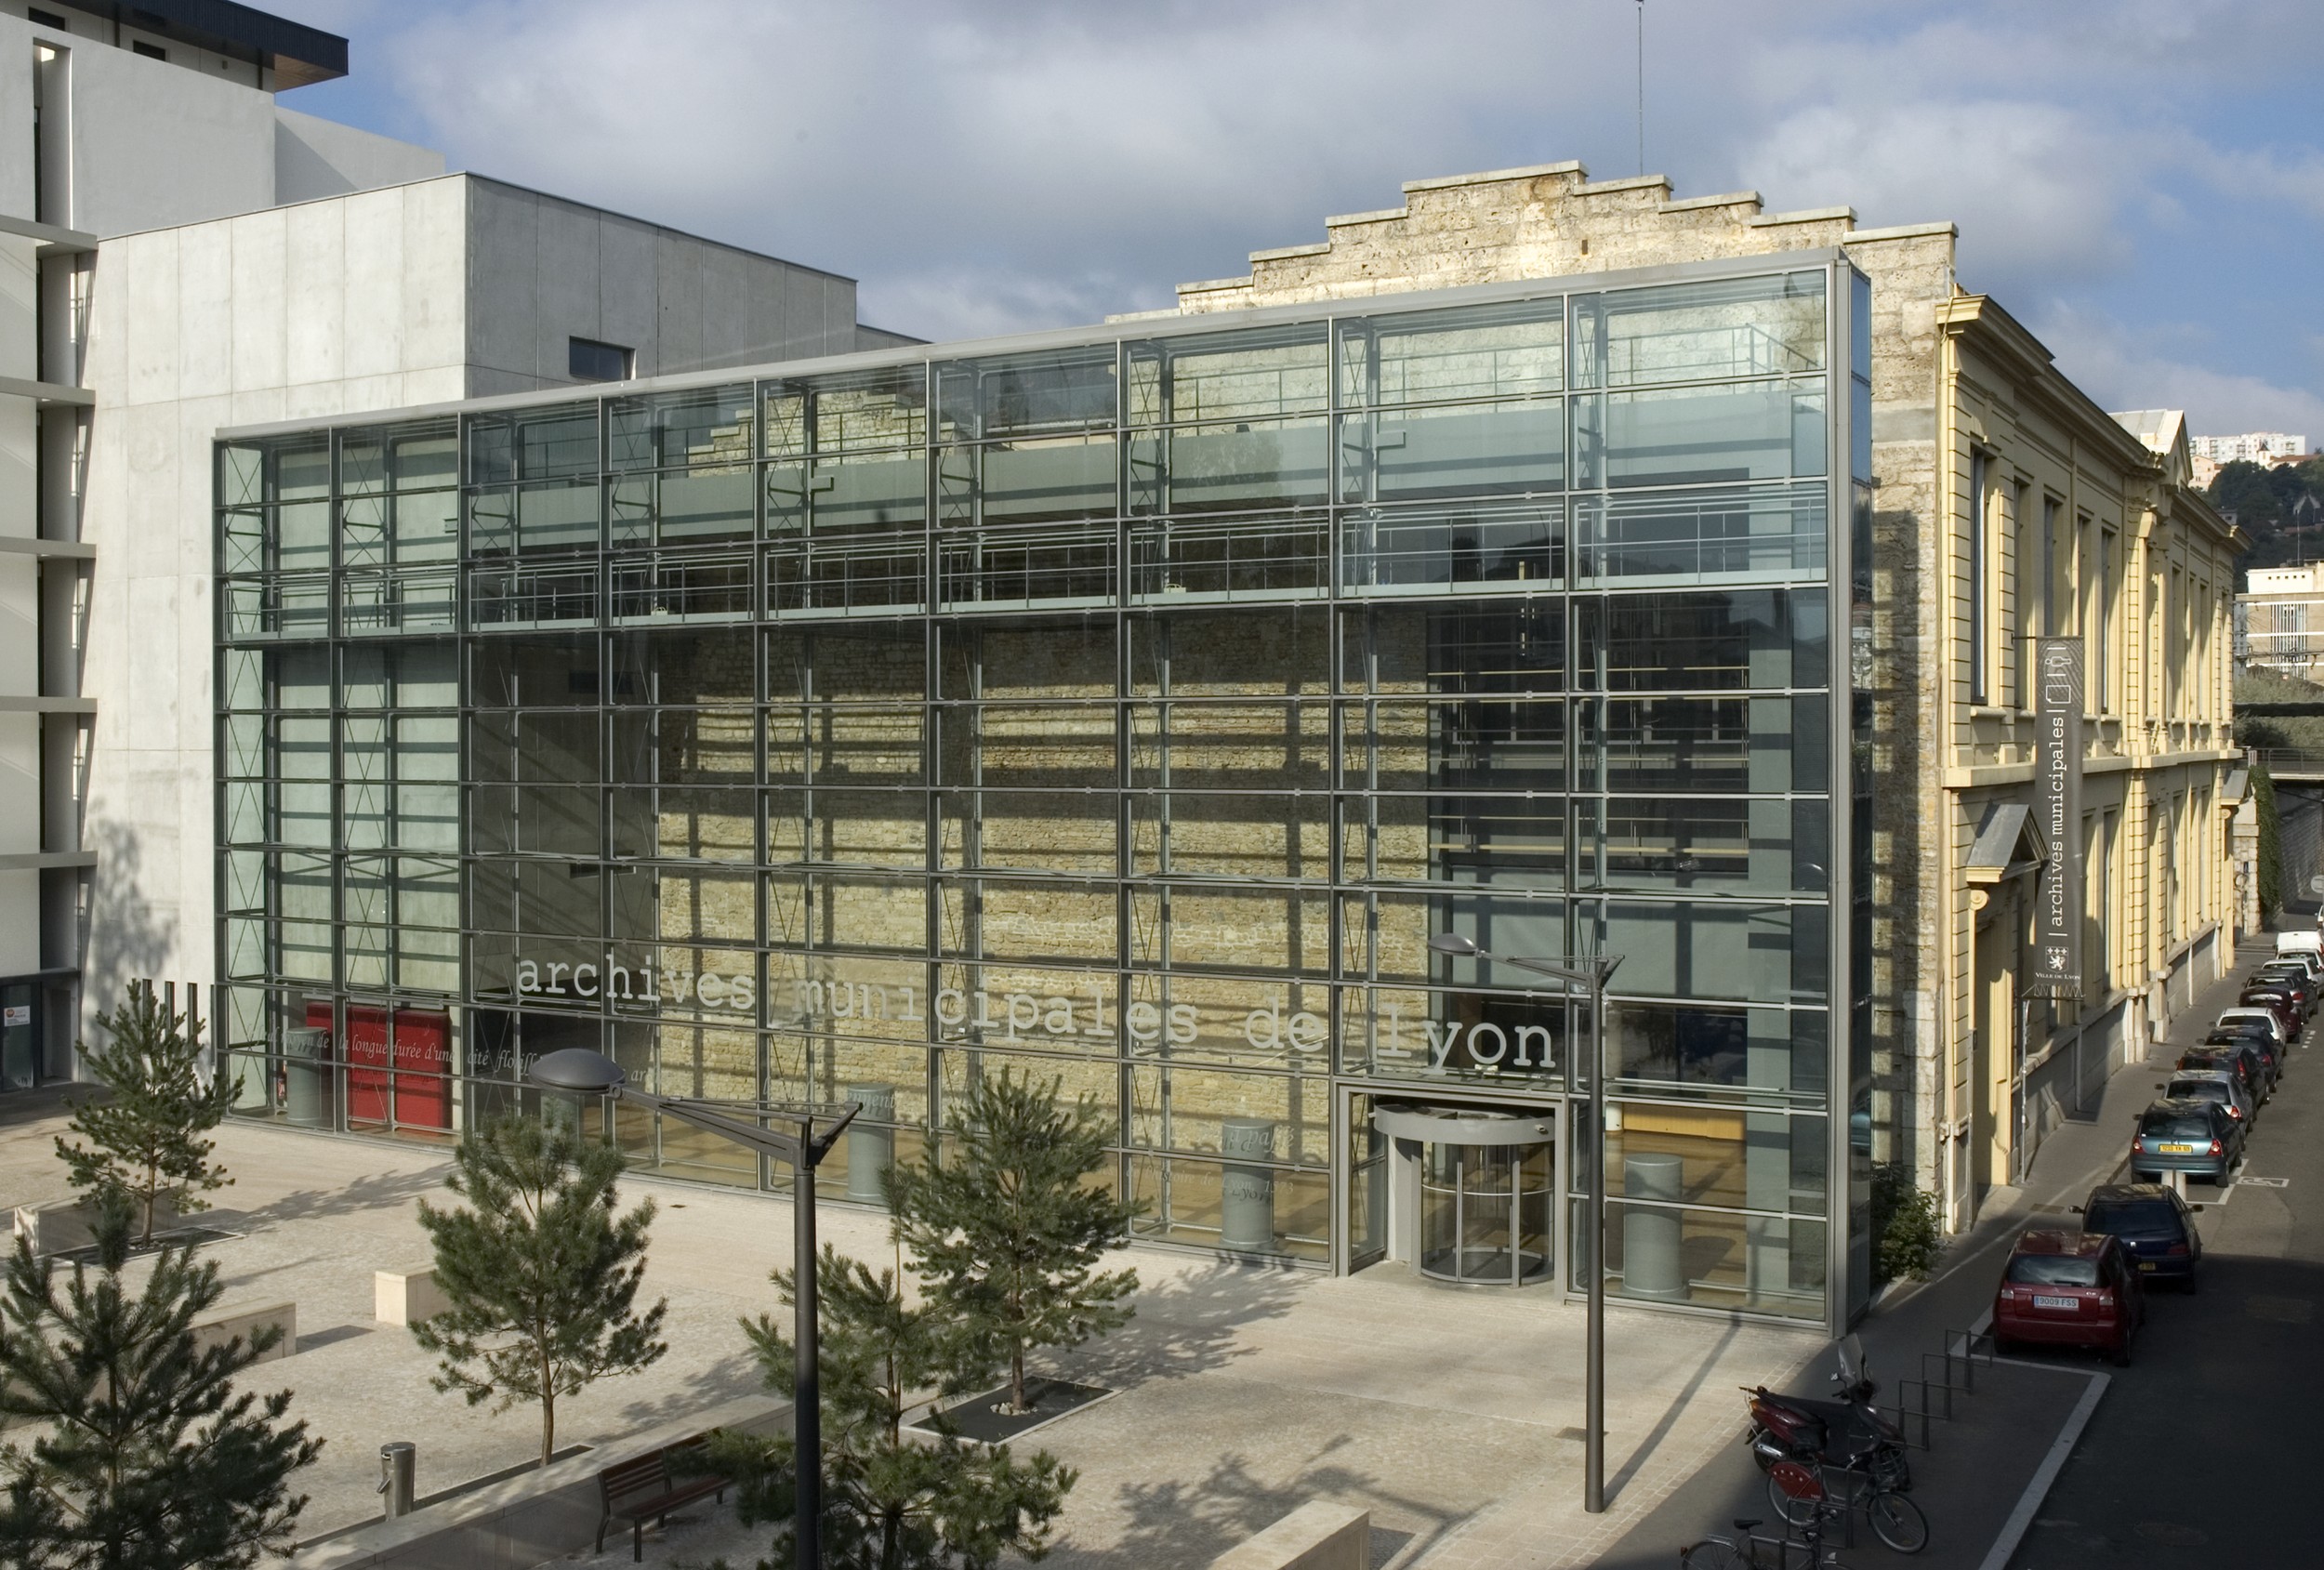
x=1005 y=1232
x=890 y=1502
x=541 y=1274
x=146 y=1458
x=151 y=1138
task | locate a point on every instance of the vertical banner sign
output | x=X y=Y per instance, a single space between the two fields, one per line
x=2058 y=808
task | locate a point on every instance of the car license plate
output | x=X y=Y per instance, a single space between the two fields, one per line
x=2178 y=1150
x=2146 y=1264
x=2041 y=1301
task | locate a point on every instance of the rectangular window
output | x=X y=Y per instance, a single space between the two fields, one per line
x=150 y=51
x=2102 y=657
x=2050 y=621
x=589 y=360
x=1977 y=606
x=39 y=17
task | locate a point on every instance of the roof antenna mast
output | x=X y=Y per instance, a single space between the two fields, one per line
x=1642 y=88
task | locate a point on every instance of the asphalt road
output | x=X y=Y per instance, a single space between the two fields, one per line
x=2196 y=1454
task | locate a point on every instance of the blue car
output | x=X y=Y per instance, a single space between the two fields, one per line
x=2155 y=1228
x=2183 y=1135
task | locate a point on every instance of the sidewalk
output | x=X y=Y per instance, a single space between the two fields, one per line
x=1976 y=1479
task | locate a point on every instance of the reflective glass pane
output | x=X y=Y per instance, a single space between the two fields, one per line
x=1444 y=356
x=1696 y=332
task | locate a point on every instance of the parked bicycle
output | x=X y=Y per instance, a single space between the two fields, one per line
x=1802 y=1549
x=1896 y=1521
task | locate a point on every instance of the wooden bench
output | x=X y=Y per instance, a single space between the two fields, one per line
x=645 y=1490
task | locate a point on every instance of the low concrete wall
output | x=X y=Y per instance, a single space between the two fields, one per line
x=66 y=1224
x=1318 y=1535
x=246 y=1319
x=527 y=1520
x=406 y=1297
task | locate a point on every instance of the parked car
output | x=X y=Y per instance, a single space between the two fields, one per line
x=2213 y=1085
x=2291 y=975
x=2156 y=1228
x=2251 y=1033
x=2308 y=957
x=2230 y=1019
x=2298 y=974
x=2274 y=1055
x=2068 y=1289
x=2262 y=994
x=2197 y=1138
x=2250 y=1059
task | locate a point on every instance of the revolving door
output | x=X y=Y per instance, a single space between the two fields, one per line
x=1485 y=1213
x=1473 y=1192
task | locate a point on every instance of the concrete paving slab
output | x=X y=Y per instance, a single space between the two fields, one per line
x=1451 y=1414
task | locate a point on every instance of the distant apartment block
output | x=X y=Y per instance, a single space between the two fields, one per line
x=2253 y=447
x=2281 y=618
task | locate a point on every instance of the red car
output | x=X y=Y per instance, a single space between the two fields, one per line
x=2071 y=1290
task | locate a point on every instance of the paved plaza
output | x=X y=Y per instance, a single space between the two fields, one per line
x=1243 y=1392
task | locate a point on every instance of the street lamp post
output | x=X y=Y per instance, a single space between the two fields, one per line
x=1592 y=972
x=579 y=1070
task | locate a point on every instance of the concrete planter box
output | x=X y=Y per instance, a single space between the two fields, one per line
x=64 y=1224
x=245 y=1319
x=406 y=1297
x=1316 y=1536
x=524 y=1521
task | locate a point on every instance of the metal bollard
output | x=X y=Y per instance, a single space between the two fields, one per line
x=399 y=1468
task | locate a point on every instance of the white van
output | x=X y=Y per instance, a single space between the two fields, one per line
x=2310 y=941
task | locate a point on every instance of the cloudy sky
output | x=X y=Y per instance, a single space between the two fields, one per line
x=2140 y=181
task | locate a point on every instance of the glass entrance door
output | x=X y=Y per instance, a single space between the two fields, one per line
x=1485 y=1213
x=20 y=1048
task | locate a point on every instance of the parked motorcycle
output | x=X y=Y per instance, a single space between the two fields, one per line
x=1848 y=1432
x=1858 y=1454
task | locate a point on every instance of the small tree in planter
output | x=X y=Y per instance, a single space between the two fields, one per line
x=542 y=1275
x=1007 y=1231
x=149 y=1138
x=145 y=1458
x=889 y=1503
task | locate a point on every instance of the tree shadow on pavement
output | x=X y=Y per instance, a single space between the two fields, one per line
x=1644 y=1450
x=1180 y=1523
x=381 y=1190
x=1185 y=1324
x=731 y=1377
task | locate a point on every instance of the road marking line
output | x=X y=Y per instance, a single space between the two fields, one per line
x=2265 y=1182
x=2013 y=1530
x=1963 y=1342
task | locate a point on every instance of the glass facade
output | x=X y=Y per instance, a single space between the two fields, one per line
x=1128 y=710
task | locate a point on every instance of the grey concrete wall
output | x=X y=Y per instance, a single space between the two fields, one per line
x=316 y=158
x=423 y=293
x=542 y=271
x=154 y=143
x=356 y=302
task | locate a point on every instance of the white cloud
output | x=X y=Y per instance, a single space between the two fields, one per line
x=2037 y=189
x=2121 y=372
x=1009 y=166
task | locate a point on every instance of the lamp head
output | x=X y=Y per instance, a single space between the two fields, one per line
x=1454 y=943
x=577 y=1069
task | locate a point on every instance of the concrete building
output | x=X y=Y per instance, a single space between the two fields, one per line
x=2253 y=447
x=188 y=252
x=2280 y=614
